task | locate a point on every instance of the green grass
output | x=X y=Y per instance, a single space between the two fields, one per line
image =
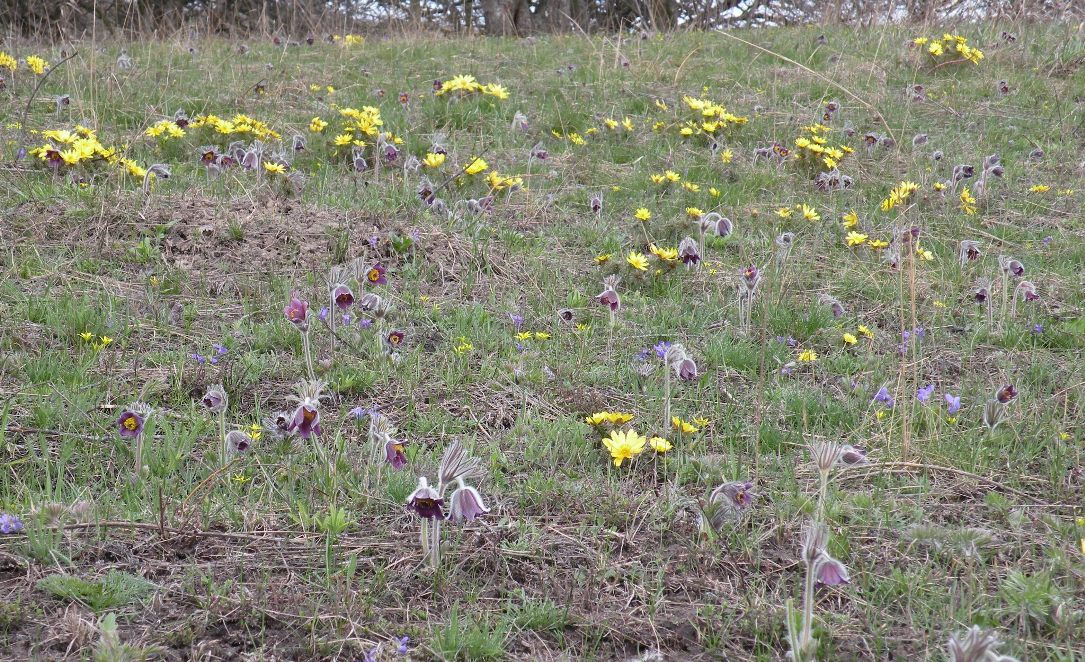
x=287 y=554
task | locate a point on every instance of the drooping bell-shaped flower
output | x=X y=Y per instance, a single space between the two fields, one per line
x=466 y=503
x=425 y=501
x=342 y=297
x=215 y=399
x=609 y=295
x=969 y=251
x=688 y=252
x=829 y=571
x=238 y=442
x=1006 y=394
x=305 y=421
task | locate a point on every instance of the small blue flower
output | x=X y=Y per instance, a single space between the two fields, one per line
x=642 y=355
x=924 y=394
x=517 y=320
x=953 y=402
x=364 y=323
x=883 y=397
x=401 y=644
x=1038 y=328
x=198 y=358
x=323 y=315
x=661 y=348
x=10 y=523
x=219 y=349
x=373 y=241
x=346 y=320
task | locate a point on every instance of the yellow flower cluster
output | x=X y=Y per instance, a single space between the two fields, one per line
x=899 y=195
x=364 y=122
x=165 y=128
x=948 y=46
x=499 y=182
x=813 y=147
x=612 y=417
x=8 y=62
x=237 y=125
x=80 y=146
x=36 y=64
x=466 y=85
x=968 y=202
x=713 y=117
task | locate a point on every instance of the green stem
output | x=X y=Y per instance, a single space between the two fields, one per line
x=308 y=354
x=222 y=437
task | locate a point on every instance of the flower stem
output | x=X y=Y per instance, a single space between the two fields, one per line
x=308 y=354
x=222 y=437
x=666 y=395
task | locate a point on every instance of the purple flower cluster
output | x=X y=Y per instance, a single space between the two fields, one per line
x=218 y=350
x=10 y=523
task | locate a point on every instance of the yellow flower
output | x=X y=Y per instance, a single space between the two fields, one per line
x=850 y=339
x=1040 y=188
x=523 y=335
x=575 y=138
x=714 y=192
x=671 y=175
x=255 y=430
x=808 y=356
x=433 y=160
x=850 y=220
x=685 y=427
x=316 y=125
x=542 y=335
x=701 y=421
x=240 y=478
x=642 y=214
x=856 y=238
x=7 y=62
x=476 y=166
x=36 y=64
x=661 y=104
x=939 y=186
x=877 y=243
x=656 y=179
x=603 y=258
x=865 y=331
x=968 y=202
x=694 y=212
x=809 y=213
x=624 y=445
x=659 y=444
x=87 y=336
x=665 y=254
x=726 y=155
x=105 y=340
x=923 y=253
x=691 y=187
x=277 y=168
x=880 y=414
x=919 y=41
x=637 y=260
x=627 y=124
x=935 y=49
x=784 y=212
x=343 y=139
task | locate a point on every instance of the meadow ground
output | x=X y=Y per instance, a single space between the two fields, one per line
x=863 y=330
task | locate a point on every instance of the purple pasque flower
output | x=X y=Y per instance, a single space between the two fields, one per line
x=596 y=203
x=215 y=399
x=467 y=503
x=130 y=424
x=306 y=420
x=829 y=571
x=342 y=297
x=661 y=348
x=237 y=442
x=10 y=523
x=395 y=338
x=688 y=252
x=391 y=152
x=953 y=403
x=686 y=369
x=375 y=275
x=297 y=312
x=883 y=397
x=737 y=494
x=425 y=501
x=393 y=450
x=853 y=455
x=924 y=393
x=1006 y=394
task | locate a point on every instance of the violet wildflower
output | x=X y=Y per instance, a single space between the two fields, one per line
x=596 y=203
x=199 y=358
x=829 y=571
x=237 y=442
x=924 y=393
x=394 y=453
x=953 y=403
x=375 y=275
x=609 y=295
x=466 y=503
x=883 y=397
x=688 y=253
x=401 y=644
x=297 y=312
x=833 y=304
x=10 y=524
x=364 y=323
x=425 y=501
x=1006 y=394
x=215 y=399
x=661 y=348
x=305 y=420
x=342 y=297
x=1037 y=328
x=969 y=251
x=323 y=315
x=517 y=321
x=130 y=424
x=726 y=503
x=395 y=338
x=853 y=455
x=373 y=241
